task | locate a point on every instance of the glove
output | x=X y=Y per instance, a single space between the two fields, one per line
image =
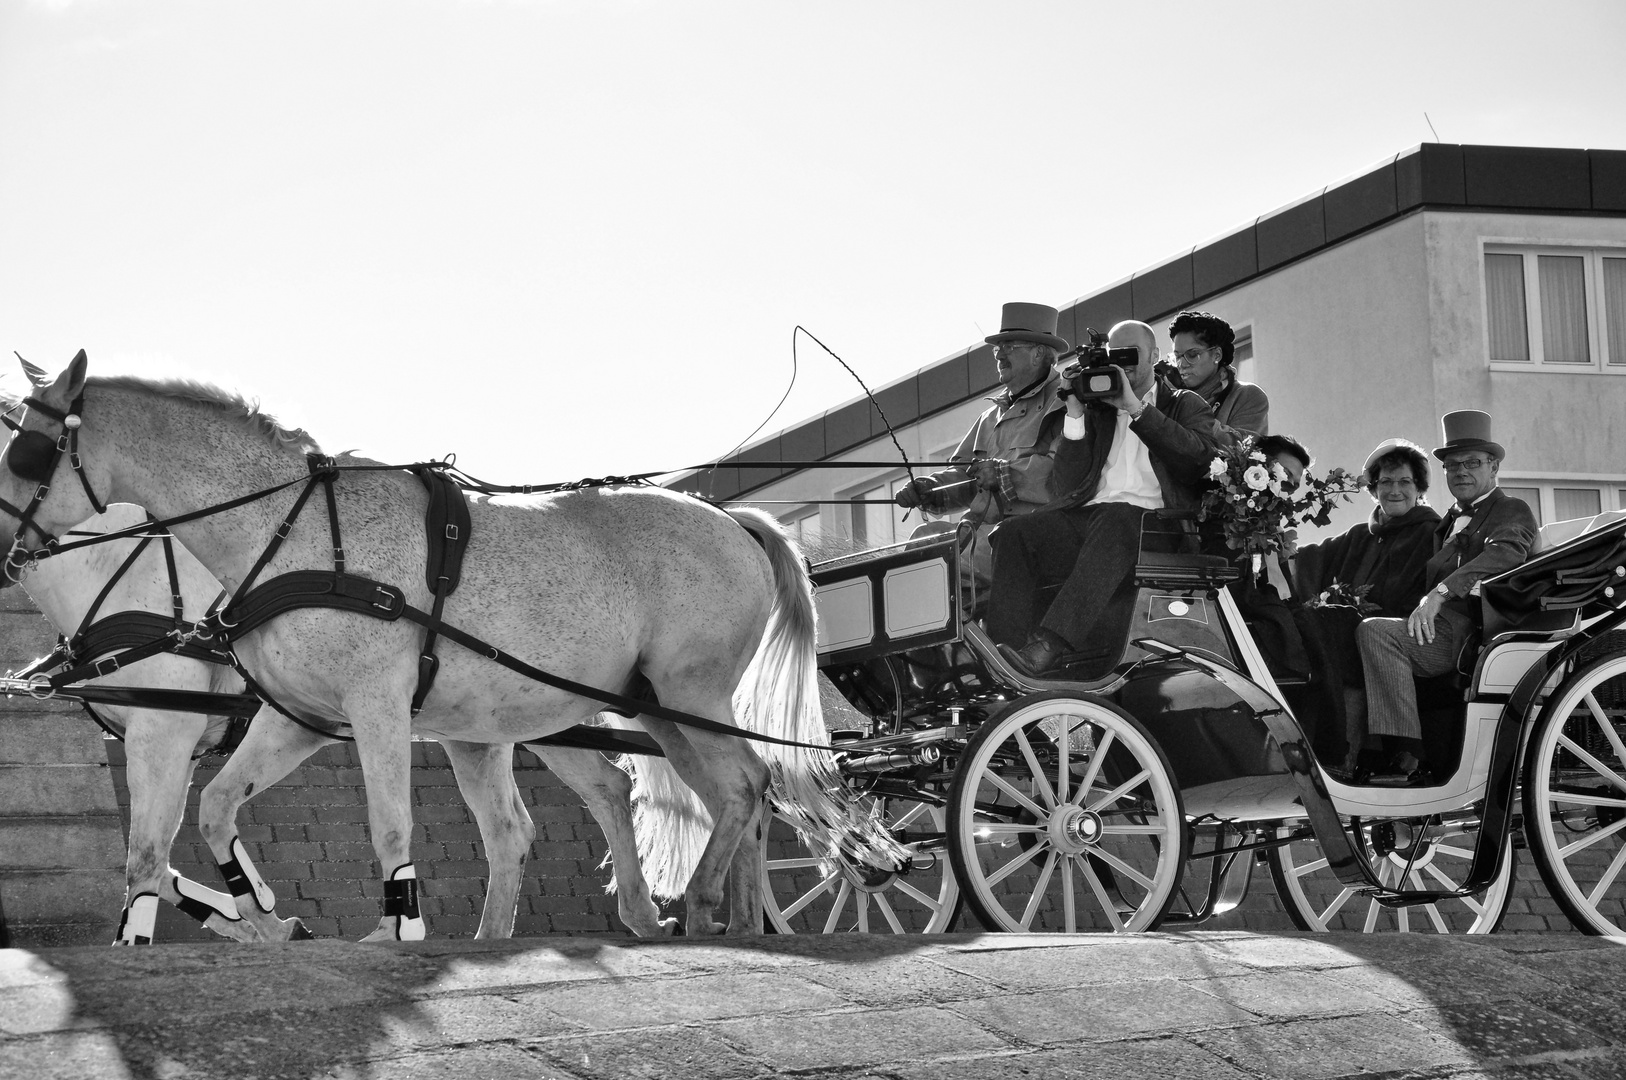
x=985 y=472
x=915 y=492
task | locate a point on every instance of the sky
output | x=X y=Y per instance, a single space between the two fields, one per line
x=569 y=238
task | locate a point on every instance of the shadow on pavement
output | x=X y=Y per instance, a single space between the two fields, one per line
x=1210 y=1005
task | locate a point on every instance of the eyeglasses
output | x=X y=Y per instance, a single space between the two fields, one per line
x=1466 y=465
x=1005 y=348
x=1190 y=355
x=1400 y=482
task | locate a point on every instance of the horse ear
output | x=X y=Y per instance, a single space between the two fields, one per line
x=72 y=380
x=36 y=374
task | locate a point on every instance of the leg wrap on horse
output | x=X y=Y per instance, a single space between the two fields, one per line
x=401 y=903
x=200 y=901
x=137 y=922
x=244 y=880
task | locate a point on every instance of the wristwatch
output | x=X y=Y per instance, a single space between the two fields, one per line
x=1442 y=590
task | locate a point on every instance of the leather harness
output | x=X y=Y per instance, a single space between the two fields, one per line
x=251 y=606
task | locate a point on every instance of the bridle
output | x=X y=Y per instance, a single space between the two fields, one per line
x=34 y=456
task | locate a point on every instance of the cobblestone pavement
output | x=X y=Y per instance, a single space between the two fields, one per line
x=1203 y=1005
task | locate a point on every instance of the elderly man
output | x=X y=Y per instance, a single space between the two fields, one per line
x=1007 y=455
x=1485 y=533
x=1204 y=347
x=1145 y=449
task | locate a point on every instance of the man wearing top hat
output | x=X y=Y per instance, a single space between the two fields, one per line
x=1003 y=464
x=1486 y=532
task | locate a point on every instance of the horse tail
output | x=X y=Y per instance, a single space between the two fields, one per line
x=670 y=822
x=779 y=696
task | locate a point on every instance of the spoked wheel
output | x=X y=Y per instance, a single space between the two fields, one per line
x=1064 y=817
x=1420 y=853
x=1575 y=796
x=800 y=897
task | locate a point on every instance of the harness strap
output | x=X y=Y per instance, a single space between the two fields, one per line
x=96 y=604
x=632 y=706
x=447 y=528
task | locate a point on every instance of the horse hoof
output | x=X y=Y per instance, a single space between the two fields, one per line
x=671 y=928
x=300 y=932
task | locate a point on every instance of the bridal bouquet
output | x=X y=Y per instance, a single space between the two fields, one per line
x=1245 y=494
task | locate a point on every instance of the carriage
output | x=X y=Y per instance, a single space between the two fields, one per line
x=1143 y=797
x=1119 y=800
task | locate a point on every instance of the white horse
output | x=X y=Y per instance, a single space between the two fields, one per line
x=598 y=586
x=159 y=748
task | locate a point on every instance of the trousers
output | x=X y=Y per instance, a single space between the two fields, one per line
x=1091 y=550
x=1391 y=659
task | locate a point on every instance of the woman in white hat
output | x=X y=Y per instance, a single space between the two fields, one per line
x=1377 y=568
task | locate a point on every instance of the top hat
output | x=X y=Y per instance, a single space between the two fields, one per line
x=1029 y=322
x=1468 y=429
x=1389 y=446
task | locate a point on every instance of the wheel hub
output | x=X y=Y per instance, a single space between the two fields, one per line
x=1074 y=830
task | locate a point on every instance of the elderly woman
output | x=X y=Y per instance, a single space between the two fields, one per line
x=1376 y=568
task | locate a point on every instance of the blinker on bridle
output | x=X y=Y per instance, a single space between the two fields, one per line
x=33 y=456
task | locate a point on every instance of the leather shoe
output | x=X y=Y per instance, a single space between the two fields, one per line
x=1035 y=658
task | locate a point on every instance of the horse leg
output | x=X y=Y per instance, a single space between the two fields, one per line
x=608 y=793
x=730 y=780
x=745 y=908
x=384 y=744
x=485 y=776
x=273 y=748
x=158 y=748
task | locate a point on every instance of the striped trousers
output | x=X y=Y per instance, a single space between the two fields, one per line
x=1392 y=659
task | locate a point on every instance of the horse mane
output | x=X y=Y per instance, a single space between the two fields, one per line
x=233 y=405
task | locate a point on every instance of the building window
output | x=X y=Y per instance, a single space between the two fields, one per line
x=1556 y=309
x=877 y=521
x=1564 y=500
x=803 y=525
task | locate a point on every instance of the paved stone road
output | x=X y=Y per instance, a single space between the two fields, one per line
x=1203 y=1006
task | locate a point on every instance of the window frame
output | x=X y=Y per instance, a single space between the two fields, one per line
x=1592 y=254
x=1611 y=489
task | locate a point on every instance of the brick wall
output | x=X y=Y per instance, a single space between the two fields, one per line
x=308 y=836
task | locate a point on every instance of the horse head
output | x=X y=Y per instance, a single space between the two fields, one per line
x=45 y=429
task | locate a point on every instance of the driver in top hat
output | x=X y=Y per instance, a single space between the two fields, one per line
x=1486 y=532
x=1003 y=465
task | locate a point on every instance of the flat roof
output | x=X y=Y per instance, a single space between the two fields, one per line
x=1498 y=179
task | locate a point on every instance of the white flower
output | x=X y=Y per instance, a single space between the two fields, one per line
x=1256 y=456
x=1216 y=468
x=1256 y=477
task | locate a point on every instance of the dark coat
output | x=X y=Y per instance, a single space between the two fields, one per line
x=1502 y=534
x=1179 y=432
x=1245 y=411
x=1390 y=555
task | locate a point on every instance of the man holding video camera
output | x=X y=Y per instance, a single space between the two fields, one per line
x=1130 y=444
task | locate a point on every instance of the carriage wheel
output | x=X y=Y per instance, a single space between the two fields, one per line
x=1428 y=853
x=798 y=897
x=1575 y=796
x=1064 y=817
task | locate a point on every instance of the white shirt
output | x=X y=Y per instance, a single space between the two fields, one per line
x=1127 y=476
x=1465 y=515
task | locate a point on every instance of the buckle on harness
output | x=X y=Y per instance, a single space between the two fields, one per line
x=284 y=529
x=62 y=443
x=106 y=666
x=40 y=688
x=383 y=598
x=451 y=532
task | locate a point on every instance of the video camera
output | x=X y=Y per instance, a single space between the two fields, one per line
x=1091 y=377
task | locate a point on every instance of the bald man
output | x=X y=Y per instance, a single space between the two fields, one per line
x=1146 y=449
